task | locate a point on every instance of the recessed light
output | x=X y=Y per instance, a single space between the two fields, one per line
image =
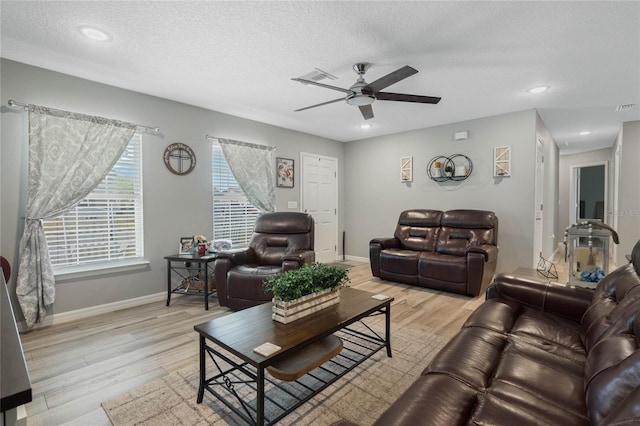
x=585 y=133
x=538 y=89
x=365 y=126
x=94 y=33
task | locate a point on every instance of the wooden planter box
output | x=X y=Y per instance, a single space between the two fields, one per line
x=286 y=312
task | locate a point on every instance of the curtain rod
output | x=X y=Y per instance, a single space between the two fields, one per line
x=14 y=104
x=254 y=145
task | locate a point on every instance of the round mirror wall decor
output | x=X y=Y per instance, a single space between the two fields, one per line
x=179 y=159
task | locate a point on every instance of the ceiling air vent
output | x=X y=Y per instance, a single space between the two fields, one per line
x=627 y=107
x=318 y=75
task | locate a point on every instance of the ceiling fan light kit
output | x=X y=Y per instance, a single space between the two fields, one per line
x=360 y=100
x=363 y=94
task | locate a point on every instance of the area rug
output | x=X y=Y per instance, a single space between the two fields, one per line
x=360 y=396
x=343 y=265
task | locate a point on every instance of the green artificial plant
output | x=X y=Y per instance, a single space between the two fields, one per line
x=310 y=278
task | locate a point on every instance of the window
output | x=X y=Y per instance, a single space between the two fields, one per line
x=234 y=216
x=107 y=224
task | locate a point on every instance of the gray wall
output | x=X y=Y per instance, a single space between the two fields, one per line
x=165 y=195
x=628 y=211
x=375 y=195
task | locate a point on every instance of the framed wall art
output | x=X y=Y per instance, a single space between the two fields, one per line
x=502 y=161
x=284 y=172
x=406 y=169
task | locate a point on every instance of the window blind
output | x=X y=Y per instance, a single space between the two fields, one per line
x=234 y=216
x=107 y=224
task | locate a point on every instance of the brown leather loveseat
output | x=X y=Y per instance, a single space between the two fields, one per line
x=455 y=250
x=537 y=354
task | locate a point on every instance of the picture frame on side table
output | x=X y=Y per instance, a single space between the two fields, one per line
x=185 y=245
x=284 y=172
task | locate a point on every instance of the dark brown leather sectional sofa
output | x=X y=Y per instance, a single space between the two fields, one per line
x=537 y=354
x=455 y=250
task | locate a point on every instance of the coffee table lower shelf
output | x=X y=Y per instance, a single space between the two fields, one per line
x=237 y=384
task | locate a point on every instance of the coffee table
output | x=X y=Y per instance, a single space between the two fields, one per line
x=239 y=380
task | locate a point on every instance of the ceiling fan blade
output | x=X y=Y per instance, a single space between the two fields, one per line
x=386 y=96
x=367 y=111
x=391 y=78
x=326 y=86
x=324 y=103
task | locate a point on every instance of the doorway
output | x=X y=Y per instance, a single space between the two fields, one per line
x=589 y=192
x=320 y=199
x=538 y=226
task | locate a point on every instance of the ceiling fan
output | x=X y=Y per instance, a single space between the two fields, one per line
x=363 y=94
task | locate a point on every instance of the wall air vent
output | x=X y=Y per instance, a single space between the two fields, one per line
x=318 y=75
x=627 y=107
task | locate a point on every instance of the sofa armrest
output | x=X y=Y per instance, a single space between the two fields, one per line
x=297 y=259
x=489 y=252
x=557 y=299
x=221 y=267
x=375 y=247
x=385 y=243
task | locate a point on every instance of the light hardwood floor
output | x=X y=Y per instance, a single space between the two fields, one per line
x=76 y=366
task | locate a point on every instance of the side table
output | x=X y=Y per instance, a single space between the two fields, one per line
x=188 y=266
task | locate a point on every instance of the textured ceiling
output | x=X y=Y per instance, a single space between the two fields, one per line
x=238 y=58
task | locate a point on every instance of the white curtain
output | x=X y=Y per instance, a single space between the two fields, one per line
x=252 y=166
x=69 y=155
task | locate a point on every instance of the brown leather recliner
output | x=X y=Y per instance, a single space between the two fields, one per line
x=281 y=241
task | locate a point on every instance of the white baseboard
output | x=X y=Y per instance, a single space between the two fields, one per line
x=83 y=313
x=357 y=259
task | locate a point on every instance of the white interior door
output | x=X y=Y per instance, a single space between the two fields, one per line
x=320 y=199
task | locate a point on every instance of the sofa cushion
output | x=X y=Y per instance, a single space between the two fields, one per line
x=435 y=399
x=461 y=229
x=505 y=404
x=418 y=229
x=551 y=332
x=471 y=357
x=281 y=233
x=247 y=281
x=443 y=267
x=520 y=374
x=399 y=261
x=473 y=219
